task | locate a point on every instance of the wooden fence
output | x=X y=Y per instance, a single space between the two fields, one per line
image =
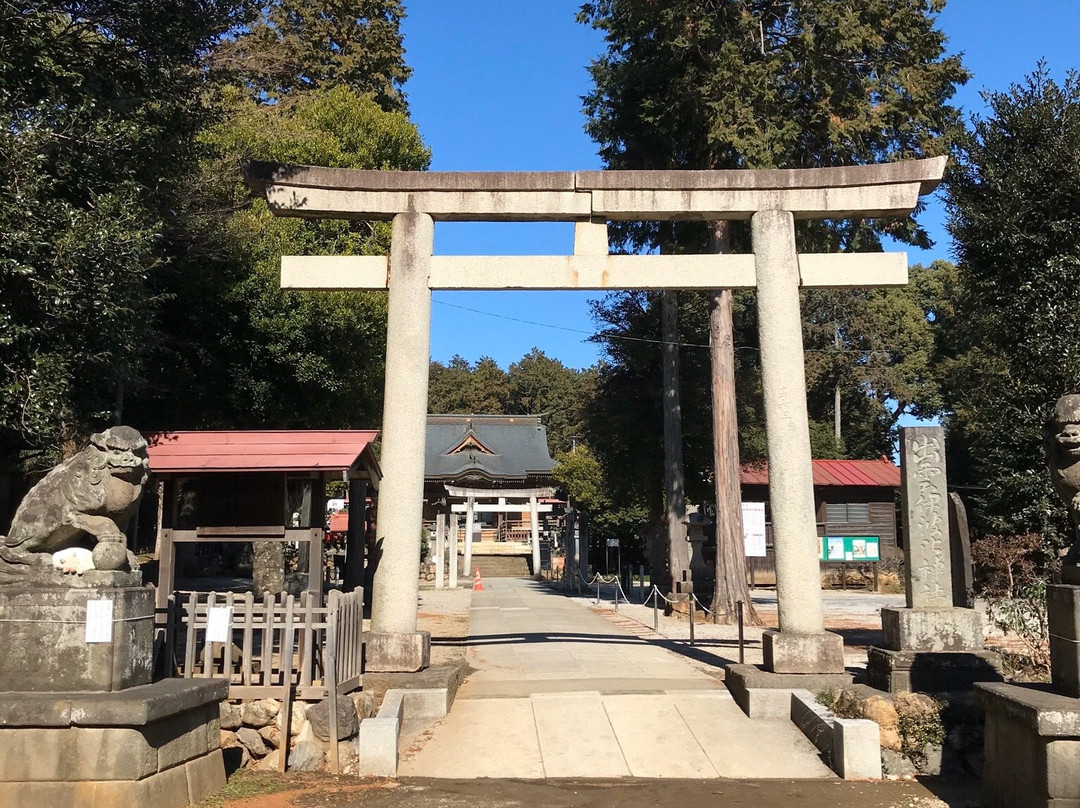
x=272 y=645
x=272 y=649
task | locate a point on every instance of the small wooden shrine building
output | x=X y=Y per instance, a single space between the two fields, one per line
x=260 y=486
x=492 y=474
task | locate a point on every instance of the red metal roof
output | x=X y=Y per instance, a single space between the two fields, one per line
x=875 y=473
x=261 y=450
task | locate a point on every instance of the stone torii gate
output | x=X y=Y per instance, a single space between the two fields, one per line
x=771 y=200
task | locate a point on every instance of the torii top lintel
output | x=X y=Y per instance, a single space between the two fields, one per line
x=867 y=191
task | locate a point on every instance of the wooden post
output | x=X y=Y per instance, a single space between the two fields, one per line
x=354 y=543
x=453 y=549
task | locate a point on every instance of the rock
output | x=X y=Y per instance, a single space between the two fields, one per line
x=229 y=716
x=895 y=766
x=881 y=711
x=298 y=718
x=270 y=763
x=365 y=702
x=914 y=704
x=318 y=718
x=272 y=707
x=255 y=714
x=252 y=741
x=245 y=757
x=347 y=754
x=272 y=736
x=931 y=759
x=228 y=739
x=890 y=739
x=306 y=757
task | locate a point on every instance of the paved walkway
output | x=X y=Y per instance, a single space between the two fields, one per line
x=560 y=691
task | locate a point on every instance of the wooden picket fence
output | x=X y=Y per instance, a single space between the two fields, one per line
x=274 y=645
x=284 y=649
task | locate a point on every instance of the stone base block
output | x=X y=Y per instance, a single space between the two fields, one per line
x=402 y=653
x=153 y=745
x=926 y=672
x=763 y=694
x=934 y=630
x=48 y=626
x=786 y=652
x=1032 y=747
x=1063 y=612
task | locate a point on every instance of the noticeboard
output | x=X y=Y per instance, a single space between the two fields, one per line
x=753 y=520
x=850 y=548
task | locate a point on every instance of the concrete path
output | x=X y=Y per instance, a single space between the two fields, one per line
x=560 y=691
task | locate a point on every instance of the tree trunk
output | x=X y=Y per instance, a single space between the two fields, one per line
x=731 y=585
x=674 y=482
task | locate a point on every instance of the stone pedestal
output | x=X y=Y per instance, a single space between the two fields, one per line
x=1032 y=747
x=925 y=672
x=48 y=627
x=156 y=744
x=932 y=630
x=787 y=652
x=763 y=694
x=81 y=724
x=1063 y=613
x=397 y=653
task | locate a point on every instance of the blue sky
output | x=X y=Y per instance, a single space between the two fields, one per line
x=497 y=85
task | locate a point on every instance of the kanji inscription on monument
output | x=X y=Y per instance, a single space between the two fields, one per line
x=928 y=562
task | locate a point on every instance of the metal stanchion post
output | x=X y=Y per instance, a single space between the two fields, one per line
x=655 y=613
x=693 y=608
x=742 y=651
x=597 y=591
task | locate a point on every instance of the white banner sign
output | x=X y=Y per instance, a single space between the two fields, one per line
x=753 y=526
x=99 y=620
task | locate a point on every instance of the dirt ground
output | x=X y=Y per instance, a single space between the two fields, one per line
x=314 y=791
x=445 y=613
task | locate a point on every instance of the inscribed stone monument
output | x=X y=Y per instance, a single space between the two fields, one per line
x=930 y=645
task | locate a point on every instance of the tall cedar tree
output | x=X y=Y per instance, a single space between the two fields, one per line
x=1014 y=203
x=714 y=84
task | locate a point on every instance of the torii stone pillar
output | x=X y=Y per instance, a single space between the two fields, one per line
x=534 y=525
x=394 y=644
x=801 y=645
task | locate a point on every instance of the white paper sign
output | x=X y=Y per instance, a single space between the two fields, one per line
x=99 y=620
x=218 y=620
x=753 y=526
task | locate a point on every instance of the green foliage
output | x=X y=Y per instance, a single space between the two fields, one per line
x=100 y=104
x=1014 y=202
x=298 y=45
x=243 y=352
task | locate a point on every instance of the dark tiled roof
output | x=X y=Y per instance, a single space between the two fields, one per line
x=517 y=444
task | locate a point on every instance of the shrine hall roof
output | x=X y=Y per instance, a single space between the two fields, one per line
x=875 y=473
x=497 y=447
x=264 y=450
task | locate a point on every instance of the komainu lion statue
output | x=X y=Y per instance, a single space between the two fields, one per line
x=85 y=502
x=1063 y=454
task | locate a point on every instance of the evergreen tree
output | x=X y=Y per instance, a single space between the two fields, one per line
x=712 y=84
x=1014 y=203
x=101 y=103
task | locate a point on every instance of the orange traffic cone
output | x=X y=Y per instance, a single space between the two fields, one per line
x=477 y=584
